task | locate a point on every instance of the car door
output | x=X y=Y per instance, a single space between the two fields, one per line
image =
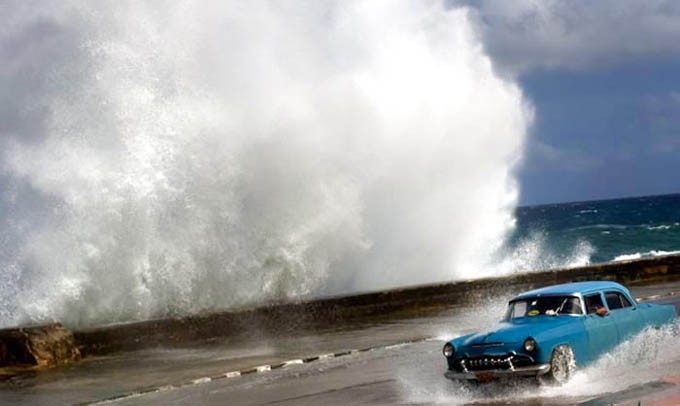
x=623 y=313
x=602 y=332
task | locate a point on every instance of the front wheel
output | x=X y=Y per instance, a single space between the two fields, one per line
x=562 y=365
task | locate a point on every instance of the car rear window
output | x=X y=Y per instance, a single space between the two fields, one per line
x=625 y=301
x=616 y=300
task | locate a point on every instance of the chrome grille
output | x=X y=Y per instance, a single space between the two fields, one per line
x=489 y=362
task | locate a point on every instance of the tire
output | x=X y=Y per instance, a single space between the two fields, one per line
x=562 y=365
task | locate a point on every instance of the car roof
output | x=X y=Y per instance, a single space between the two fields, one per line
x=572 y=289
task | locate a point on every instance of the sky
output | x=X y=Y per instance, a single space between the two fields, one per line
x=604 y=82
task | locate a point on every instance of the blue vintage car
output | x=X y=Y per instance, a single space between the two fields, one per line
x=548 y=332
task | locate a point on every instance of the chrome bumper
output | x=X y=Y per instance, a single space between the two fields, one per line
x=532 y=370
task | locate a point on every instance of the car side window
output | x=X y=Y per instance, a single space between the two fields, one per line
x=613 y=300
x=593 y=302
x=624 y=301
x=571 y=306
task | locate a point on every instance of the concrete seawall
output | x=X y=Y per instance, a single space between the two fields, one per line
x=288 y=319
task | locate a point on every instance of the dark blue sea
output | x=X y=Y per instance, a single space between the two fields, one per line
x=568 y=234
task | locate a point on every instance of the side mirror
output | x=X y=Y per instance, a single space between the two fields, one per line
x=602 y=312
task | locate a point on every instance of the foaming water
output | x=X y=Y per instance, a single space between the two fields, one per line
x=165 y=160
x=479 y=316
x=647 y=357
x=534 y=252
x=650 y=254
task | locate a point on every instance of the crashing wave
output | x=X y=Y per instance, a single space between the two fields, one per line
x=533 y=253
x=171 y=160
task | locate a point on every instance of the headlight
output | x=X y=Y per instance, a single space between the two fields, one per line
x=448 y=350
x=529 y=344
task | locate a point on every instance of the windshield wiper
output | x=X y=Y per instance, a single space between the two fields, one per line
x=561 y=306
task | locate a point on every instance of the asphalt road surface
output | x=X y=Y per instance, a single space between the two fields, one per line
x=393 y=362
x=412 y=374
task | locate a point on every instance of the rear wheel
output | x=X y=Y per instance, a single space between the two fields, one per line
x=562 y=365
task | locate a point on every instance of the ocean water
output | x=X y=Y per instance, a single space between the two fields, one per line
x=598 y=231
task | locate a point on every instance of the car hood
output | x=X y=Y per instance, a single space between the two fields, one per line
x=517 y=330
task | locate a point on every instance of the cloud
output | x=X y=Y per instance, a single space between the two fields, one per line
x=525 y=35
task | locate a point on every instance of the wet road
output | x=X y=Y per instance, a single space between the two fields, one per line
x=412 y=374
x=381 y=373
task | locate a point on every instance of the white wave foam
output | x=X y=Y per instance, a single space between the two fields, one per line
x=533 y=254
x=661 y=227
x=628 y=257
x=648 y=254
x=203 y=155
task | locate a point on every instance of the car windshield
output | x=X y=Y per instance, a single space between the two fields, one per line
x=549 y=305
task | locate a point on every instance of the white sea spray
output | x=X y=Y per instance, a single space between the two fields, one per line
x=172 y=158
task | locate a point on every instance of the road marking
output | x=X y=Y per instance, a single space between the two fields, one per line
x=292 y=362
x=342 y=353
x=257 y=369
